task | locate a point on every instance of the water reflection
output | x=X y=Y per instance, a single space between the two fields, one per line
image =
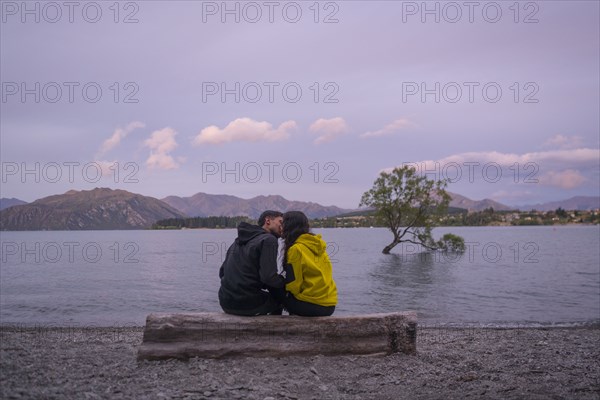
x=417 y=282
x=400 y=270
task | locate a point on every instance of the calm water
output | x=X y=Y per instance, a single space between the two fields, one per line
x=508 y=275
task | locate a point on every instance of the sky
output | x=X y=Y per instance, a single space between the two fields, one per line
x=307 y=100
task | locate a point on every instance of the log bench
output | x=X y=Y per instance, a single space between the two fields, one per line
x=219 y=335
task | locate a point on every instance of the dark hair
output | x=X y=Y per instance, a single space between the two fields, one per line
x=295 y=223
x=268 y=214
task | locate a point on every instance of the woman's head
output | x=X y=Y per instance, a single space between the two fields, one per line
x=295 y=223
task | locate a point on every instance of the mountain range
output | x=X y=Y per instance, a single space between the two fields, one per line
x=459 y=201
x=574 y=203
x=104 y=208
x=205 y=205
x=5 y=203
x=96 y=209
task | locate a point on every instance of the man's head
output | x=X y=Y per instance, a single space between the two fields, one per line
x=271 y=222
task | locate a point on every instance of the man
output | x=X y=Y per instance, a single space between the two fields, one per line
x=249 y=278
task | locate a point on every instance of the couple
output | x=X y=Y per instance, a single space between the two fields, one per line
x=261 y=274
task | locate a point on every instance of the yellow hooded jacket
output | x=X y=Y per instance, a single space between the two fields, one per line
x=309 y=272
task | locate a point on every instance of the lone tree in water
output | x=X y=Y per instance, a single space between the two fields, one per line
x=410 y=206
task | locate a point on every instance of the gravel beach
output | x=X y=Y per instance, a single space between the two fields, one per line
x=451 y=363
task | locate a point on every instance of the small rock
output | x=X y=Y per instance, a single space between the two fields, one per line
x=207 y=393
x=313 y=370
x=236 y=387
x=230 y=380
x=468 y=377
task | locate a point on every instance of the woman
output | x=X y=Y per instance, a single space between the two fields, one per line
x=311 y=291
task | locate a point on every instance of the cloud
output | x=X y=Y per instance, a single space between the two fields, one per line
x=161 y=143
x=389 y=129
x=565 y=169
x=118 y=135
x=553 y=158
x=244 y=130
x=328 y=129
x=108 y=168
x=564 y=142
x=568 y=179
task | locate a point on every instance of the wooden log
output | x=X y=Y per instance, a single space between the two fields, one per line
x=218 y=335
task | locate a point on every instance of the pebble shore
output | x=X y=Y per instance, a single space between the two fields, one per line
x=451 y=363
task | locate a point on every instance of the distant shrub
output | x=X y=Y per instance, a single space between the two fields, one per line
x=450 y=242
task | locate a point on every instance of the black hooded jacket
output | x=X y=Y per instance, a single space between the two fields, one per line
x=249 y=267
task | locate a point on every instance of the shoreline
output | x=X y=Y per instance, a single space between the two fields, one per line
x=331 y=227
x=451 y=363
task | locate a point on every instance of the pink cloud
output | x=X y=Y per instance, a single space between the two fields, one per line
x=389 y=129
x=568 y=179
x=244 y=130
x=161 y=143
x=118 y=135
x=328 y=129
x=564 y=142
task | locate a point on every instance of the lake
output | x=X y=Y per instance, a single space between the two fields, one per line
x=548 y=275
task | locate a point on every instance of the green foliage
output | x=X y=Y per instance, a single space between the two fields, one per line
x=402 y=198
x=482 y=218
x=200 y=222
x=408 y=204
x=451 y=242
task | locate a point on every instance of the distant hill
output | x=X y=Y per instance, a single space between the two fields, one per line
x=204 y=205
x=581 y=203
x=458 y=204
x=96 y=209
x=367 y=212
x=5 y=203
x=103 y=208
x=460 y=201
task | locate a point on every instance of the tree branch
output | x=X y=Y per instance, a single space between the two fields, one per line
x=422 y=244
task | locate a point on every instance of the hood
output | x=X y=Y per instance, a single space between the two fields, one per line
x=247 y=232
x=313 y=242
